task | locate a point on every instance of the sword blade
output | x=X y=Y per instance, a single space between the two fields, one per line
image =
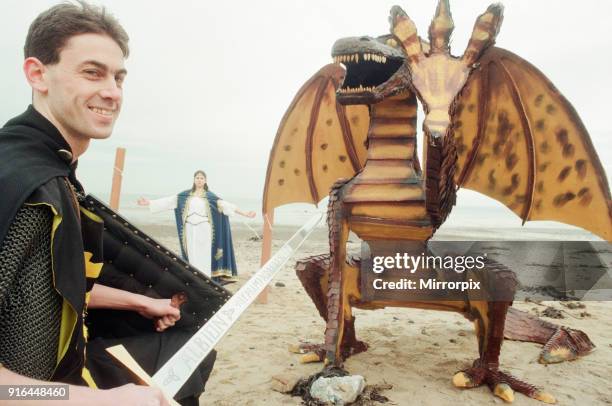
x=175 y=372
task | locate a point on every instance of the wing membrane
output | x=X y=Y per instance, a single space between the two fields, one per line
x=318 y=142
x=521 y=142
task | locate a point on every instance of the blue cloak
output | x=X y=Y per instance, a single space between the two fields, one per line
x=222 y=250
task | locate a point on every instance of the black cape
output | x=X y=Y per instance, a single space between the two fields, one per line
x=34 y=161
x=32 y=152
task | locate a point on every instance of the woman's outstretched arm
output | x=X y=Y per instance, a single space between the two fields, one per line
x=228 y=208
x=156 y=205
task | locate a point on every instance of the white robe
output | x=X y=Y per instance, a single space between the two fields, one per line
x=197 y=227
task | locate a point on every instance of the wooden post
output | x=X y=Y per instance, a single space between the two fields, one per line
x=117 y=178
x=266 y=251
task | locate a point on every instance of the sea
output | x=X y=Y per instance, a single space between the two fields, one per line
x=490 y=221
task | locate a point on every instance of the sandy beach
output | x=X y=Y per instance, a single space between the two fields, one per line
x=416 y=351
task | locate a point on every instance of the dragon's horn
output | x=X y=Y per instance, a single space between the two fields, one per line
x=484 y=33
x=441 y=27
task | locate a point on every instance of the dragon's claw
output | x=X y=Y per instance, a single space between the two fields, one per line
x=311 y=357
x=545 y=397
x=504 y=392
x=502 y=384
x=311 y=352
x=463 y=380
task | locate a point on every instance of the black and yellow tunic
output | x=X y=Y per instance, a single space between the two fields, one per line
x=50 y=251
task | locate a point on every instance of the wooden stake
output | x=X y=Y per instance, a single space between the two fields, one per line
x=266 y=251
x=117 y=178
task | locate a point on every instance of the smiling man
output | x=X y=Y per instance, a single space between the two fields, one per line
x=74 y=63
x=81 y=93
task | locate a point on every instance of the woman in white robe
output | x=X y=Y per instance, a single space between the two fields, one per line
x=197 y=232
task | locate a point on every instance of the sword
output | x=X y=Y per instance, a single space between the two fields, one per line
x=175 y=372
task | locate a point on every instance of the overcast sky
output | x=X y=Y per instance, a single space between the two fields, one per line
x=209 y=81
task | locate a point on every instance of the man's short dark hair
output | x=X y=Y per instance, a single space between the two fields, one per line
x=51 y=30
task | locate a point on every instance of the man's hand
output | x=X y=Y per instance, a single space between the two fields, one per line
x=105 y=297
x=82 y=395
x=160 y=309
x=131 y=394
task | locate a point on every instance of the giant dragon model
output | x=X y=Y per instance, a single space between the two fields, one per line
x=493 y=123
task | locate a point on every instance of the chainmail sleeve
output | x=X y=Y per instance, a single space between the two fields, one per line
x=30 y=307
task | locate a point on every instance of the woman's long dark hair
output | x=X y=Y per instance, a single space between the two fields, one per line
x=199 y=172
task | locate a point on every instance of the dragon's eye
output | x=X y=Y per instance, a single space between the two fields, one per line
x=392 y=42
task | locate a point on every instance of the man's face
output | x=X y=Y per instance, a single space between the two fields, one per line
x=84 y=89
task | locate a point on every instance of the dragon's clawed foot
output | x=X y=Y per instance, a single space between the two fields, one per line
x=311 y=352
x=502 y=384
x=316 y=352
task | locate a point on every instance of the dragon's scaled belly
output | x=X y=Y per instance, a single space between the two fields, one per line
x=389 y=190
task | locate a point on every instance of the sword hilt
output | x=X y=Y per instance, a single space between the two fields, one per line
x=177 y=300
x=123 y=356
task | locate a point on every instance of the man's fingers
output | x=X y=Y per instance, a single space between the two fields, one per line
x=163 y=323
x=484 y=33
x=174 y=313
x=160 y=325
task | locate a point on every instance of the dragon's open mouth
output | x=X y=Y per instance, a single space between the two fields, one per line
x=365 y=71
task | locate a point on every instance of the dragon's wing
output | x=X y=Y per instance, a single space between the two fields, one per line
x=318 y=141
x=521 y=142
